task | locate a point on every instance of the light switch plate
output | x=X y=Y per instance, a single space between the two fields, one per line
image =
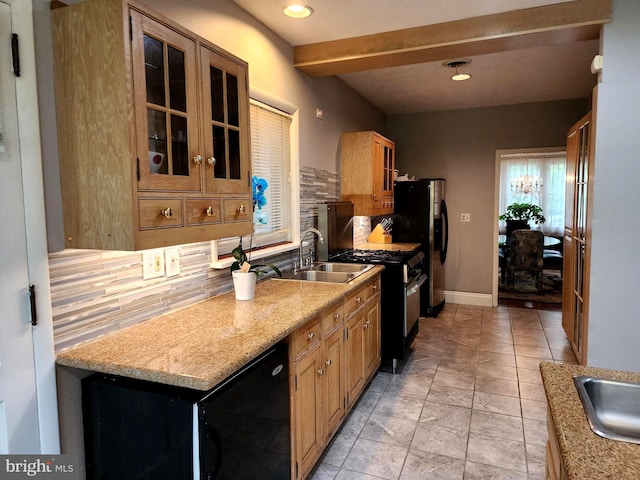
x=152 y=264
x=172 y=261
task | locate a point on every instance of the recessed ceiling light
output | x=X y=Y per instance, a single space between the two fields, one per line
x=297 y=11
x=455 y=64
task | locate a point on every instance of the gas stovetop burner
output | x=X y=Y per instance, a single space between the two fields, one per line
x=373 y=256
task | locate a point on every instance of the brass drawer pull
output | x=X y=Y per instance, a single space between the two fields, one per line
x=241 y=209
x=166 y=212
x=197 y=159
x=211 y=161
x=209 y=211
x=310 y=336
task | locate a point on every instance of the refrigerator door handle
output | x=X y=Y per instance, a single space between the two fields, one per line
x=445 y=219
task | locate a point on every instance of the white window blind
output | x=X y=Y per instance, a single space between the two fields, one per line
x=271 y=161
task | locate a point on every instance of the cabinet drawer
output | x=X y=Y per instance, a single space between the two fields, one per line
x=332 y=317
x=306 y=337
x=203 y=211
x=158 y=213
x=372 y=288
x=355 y=301
x=237 y=210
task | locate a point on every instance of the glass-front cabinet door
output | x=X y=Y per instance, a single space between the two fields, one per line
x=164 y=74
x=225 y=124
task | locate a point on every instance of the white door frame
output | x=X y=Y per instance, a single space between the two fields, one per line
x=35 y=224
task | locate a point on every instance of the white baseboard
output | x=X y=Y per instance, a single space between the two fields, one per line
x=468 y=298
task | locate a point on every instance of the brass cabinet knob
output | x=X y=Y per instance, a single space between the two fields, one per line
x=358 y=299
x=241 y=209
x=209 y=212
x=374 y=286
x=197 y=159
x=211 y=161
x=310 y=336
x=336 y=316
x=327 y=362
x=321 y=371
x=166 y=212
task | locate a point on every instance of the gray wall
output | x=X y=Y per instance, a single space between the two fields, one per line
x=461 y=147
x=614 y=326
x=270 y=70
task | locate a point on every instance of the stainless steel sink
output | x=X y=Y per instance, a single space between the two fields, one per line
x=612 y=407
x=318 y=276
x=340 y=267
x=328 y=272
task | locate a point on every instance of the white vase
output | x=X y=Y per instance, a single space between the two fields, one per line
x=244 y=284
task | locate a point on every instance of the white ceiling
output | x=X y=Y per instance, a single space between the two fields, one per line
x=522 y=76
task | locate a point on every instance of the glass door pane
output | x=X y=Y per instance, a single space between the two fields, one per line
x=164 y=79
x=226 y=136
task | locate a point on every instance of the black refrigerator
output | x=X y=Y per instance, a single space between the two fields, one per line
x=421 y=217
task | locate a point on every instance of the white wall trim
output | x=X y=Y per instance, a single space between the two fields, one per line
x=470 y=298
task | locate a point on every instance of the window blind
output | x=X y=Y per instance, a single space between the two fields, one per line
x=271 y=161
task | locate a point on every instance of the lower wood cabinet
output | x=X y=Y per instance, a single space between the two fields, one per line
x=332 y=358
x=554 y=469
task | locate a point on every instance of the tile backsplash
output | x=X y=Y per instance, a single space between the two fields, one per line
x=94 y=292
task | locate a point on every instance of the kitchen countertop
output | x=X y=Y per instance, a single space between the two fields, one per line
x=200 y=345
x=584 y=454
x=394 y=247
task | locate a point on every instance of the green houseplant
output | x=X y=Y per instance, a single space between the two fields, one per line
x=245 y=274
x=518 y=215
x=524 y=211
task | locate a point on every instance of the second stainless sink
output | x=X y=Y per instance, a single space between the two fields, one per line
x=328 y=272
x=341 y=267
x=612 y=407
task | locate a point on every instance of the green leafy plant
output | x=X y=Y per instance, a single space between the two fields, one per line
x=524 y=211
x=241 y=258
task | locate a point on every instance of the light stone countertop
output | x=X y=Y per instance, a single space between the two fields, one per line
x=394 y=247
x=584 y=454
x=200 y=345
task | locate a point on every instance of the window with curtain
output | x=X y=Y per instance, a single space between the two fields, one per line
x=550 y=167
x=271 y=179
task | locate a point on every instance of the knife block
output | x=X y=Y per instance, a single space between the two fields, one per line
x=379 y=235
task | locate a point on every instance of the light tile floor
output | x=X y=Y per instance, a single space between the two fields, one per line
x=467 y=404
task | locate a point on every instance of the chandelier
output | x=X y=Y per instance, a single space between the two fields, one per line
x=526 y=184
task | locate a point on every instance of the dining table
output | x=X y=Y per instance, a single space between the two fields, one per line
x=548 y=241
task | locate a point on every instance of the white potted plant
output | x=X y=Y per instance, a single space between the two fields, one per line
x=245 y=275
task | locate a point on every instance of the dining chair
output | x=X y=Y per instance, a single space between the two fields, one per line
x=525 y=255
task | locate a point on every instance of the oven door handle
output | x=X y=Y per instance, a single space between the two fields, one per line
x=418 y=283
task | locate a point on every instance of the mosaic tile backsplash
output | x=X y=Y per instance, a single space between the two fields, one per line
x=94 y=292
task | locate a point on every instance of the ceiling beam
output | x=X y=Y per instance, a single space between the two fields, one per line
x=533 y=27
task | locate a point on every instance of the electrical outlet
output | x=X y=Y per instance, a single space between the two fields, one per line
x=152 y=264
x=465 y=217
x=172 y=261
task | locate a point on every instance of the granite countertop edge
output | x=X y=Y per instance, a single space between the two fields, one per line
x=200 y=345
x=585 y=454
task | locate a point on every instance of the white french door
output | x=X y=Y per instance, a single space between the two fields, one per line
x=28 y=402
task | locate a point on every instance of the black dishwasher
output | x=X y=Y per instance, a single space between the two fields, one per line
x=238 y=430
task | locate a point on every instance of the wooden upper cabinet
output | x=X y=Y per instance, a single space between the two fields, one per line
x=367 y=165
x=150 y=154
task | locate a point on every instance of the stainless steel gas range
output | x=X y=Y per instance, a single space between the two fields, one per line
x=402 y=279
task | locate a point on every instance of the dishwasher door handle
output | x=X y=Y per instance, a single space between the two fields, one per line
x=418 y=283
